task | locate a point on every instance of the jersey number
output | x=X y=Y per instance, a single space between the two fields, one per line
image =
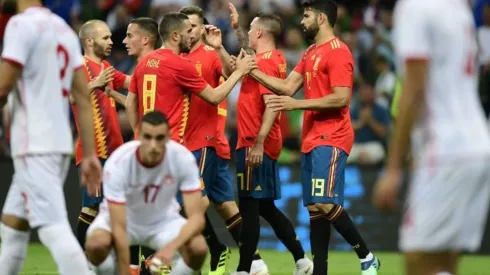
x=317 y=187
x=149 y=89
x=151 y=193
x=64 y=60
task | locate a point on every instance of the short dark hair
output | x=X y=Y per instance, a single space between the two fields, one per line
x=273 y=23
x=148 y=25
x=154 y=118
x=327 y=7
x=171 y=22
x=193 y=10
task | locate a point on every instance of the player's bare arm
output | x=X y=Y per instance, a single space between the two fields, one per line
x=120 y=236
x=279 y=86
x=338 y=99
x=386 y=189
x=244 y=64
x=256 y=155
x=132 y=109
x=10 y=72
x=241 y=36
x=214 y=39
x=118 y=97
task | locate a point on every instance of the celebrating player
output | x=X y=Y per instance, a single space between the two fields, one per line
x=325 y=70
x=42 y=53
x=141 y=179
x=96 y=42
x=439 y=108
x=201 y=138
x=259 y=145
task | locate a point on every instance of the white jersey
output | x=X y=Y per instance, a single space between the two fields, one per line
x=149 y=192
x=49 y=52
x=451 y=123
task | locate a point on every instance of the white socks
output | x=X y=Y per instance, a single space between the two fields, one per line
x=13 y=250
x=64 y=249
x=368 y=258
x=181 y=268
x=444 y=273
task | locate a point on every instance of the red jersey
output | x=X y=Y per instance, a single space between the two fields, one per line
x=251 y=106
x=203 y=117
x=164 y=81
x=222 y=145
x=324 y=67
x=106 y=125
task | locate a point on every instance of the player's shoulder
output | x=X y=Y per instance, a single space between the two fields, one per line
x=123 y=153
x=179 y=153
x=336 y=47
x=208 y=48
x=412 y=9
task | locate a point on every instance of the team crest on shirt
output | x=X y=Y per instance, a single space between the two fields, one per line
x=168 y=180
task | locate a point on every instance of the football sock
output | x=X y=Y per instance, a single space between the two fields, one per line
x=215 y=246
x=84 y=220
x=64 y=248
x=181 y=268
x=249 y=237
x=319 y=240
x=13 y=250
x=134 y=256
x=234 y=226
x=341 y=221
x=282 y=227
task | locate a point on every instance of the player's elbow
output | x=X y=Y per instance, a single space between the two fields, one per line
x=343 y=101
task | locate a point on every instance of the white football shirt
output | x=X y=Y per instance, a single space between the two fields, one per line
x=49 y=52
x=149 y=192
x=452 y=122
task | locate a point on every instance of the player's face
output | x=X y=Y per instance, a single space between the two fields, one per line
x=197 y=28
x=102 y=41
x=309 y=24
x=153 y=140
x=186 y=37
x=133 y=40
x=253 y=33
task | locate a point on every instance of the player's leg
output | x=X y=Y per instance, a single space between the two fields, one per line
x=327 y=195
x=14 y=232
x=98 y=246
x=41 y=179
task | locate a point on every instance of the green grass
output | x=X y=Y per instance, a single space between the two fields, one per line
x=340 y=263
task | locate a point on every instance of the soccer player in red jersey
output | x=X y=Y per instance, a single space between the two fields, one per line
x=326 y=72
x=96 y=41
x=259 y=146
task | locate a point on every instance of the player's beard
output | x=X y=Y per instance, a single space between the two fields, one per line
x=9 y=6
x=311 y=31
x=99 y=51
x=183 y=46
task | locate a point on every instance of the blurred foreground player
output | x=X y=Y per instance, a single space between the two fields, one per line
x=141 y=179
x=439 y=109
x=259 y=146
x=326 y=72
x=42 y=54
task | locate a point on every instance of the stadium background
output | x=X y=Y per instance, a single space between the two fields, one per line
x=364 y=25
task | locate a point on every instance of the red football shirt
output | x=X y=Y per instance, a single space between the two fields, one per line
x=203 y=117
x=164 y=81
x=324 y=67
x=251 y=106
x=106 y=125
x=222 y=144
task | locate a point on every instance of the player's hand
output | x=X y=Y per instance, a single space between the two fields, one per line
x=385 y=191
x=106 y=76
x=166 y=254
x=213 y=36
x=91 y=174
x=256 y=155
x=245 y=63
x=233 y=62
x=281 y=103
x=234 y=16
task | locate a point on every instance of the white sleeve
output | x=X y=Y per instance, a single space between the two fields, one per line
x=114 y=183
x=18 y=41
x=189 y=173
x=76 y=53
x=412 y=31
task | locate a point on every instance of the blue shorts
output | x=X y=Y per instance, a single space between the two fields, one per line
x=93 y=201
x=221 y=189
x=323 y=175
x=258 y=183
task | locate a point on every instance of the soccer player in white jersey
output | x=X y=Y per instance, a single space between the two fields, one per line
x=449 y=192
x=141 y=179
x=41 y=54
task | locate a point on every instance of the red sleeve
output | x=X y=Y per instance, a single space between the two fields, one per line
x=269 y=67
x=340 y=69
x=119 y=79
x=189 y=78
x=300 y=67
x=133 y=85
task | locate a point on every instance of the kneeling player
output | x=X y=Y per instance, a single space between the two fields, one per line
x=141 y=179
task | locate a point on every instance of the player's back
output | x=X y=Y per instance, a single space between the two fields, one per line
x=451 y=122
x=49 y=52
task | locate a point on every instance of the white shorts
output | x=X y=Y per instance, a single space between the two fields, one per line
x=447 y=207
x=154 y=237
x=36 y=193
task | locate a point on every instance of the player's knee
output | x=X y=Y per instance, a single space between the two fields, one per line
x=198 y=248
x=226 y=209
x=312 y=208
x=205 y=202
x=324 y=207
x=98 y=246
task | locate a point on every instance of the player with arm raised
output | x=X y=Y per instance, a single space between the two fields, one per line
x=42 y=54
x=441 y=117
x=96 y=42
x=325 y=70
x=141 y=180
x=259 y=145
